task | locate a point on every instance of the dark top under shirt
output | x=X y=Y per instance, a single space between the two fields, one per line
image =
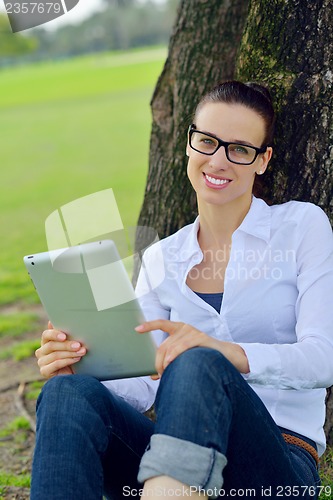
x=213 y=299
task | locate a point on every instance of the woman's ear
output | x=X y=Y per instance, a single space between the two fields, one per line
x=265 y=159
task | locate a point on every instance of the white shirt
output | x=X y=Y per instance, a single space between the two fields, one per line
x=277 y=305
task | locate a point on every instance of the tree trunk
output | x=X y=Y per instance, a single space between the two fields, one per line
x=289 y=46
x=329 y=416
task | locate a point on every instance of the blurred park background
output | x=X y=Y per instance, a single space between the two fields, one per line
x=74 y=119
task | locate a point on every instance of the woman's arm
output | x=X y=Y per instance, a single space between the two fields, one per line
x=308 y=363
x=183 y=337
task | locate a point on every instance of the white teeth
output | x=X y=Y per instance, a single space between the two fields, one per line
x=218 y=182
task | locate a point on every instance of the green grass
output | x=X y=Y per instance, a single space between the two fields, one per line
x=326 y=474
x=69 y=129
x=19 y=423
x=14 y=324
x=20 y=350
x=22 y=481
x=34 y=389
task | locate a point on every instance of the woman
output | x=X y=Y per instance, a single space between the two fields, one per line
x=243 y=318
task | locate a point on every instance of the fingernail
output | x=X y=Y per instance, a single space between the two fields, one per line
x=75 y=345
x=61 y=336
x=139 y=328
x=81 y=351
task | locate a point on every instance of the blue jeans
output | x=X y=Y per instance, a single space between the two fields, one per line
x=212 y=432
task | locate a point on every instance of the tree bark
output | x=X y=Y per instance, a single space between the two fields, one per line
x=329 y=416
x=289 y=45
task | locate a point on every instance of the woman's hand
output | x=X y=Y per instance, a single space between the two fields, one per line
x=183 y=337
x=57 y=354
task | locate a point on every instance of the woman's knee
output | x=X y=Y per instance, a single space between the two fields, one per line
x=200 y=361
x=64 y=385
x=67 y=391
x=196 y=371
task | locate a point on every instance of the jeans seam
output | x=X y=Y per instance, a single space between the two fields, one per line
x=211 y=466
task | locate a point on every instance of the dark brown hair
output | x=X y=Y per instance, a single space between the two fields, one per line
x=252 y=95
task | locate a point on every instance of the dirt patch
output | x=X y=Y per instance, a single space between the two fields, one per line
x=17 y=406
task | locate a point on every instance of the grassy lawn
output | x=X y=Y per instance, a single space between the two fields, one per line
x=69 y=129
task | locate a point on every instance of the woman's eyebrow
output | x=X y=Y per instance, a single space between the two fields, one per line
x=240 y=141
x=234 y=141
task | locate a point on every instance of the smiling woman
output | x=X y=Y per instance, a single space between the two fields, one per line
x=244 y=342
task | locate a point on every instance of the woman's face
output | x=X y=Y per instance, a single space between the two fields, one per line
x=215 y=179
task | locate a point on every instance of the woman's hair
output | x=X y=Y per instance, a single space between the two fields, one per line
x=252 y=95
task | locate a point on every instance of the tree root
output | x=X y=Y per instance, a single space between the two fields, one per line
x=21 y=408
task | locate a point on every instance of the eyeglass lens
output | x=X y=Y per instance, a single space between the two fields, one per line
x=235 y=152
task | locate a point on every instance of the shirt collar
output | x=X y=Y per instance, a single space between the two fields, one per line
x=257 y=222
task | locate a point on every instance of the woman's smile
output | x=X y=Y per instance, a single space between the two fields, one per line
x=214 y=182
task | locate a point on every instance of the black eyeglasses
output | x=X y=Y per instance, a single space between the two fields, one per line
x=208 y=144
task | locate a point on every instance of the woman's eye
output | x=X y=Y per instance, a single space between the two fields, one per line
x=207 y=141
x=240 y=149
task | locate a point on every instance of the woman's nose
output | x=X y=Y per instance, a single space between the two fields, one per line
x=219 y=159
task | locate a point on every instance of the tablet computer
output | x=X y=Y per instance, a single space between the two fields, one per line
x=87 y=293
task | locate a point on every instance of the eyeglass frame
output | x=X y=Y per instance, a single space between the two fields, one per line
x=192 y=128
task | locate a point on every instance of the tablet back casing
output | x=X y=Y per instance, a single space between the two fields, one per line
x=87 y=293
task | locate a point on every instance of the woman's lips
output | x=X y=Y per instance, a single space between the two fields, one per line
x=216 y=182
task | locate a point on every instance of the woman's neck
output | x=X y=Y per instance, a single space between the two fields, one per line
x=218 y=222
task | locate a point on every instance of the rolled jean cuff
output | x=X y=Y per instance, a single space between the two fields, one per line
x=190 y=463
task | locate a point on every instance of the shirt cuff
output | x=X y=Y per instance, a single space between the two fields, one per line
x=264 y=362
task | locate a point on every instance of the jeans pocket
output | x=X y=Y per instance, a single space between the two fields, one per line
x=307 y=469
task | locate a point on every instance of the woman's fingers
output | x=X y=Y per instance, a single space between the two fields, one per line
x=72 y=347
x=168 y=351
x=55 y=340
x=57 y=348
x=183 y=338
x=52 y=334
x=166 y=325
x=57 y=353
x=55 y=358
x=58 y=366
